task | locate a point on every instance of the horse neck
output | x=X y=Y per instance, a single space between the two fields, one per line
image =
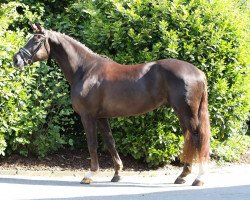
x=69 y=54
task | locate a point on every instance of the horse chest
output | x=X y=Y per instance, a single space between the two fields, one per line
x=84 y=95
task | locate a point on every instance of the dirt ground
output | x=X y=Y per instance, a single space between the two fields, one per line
x=68 y=160
x=77 y=160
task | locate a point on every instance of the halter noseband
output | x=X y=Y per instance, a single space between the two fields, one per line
x=23 y=51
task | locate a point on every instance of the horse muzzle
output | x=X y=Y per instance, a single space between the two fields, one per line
x=18 y=61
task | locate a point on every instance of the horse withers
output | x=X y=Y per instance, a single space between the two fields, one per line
x=102 y=88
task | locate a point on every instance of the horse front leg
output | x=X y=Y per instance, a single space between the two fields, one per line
x=89 y=124
x=105 y=130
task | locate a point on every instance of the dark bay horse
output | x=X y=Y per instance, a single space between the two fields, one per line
x=102 y=88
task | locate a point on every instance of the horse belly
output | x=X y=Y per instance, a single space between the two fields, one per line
x=131 y=100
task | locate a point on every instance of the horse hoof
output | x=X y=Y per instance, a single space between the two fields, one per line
x=198 y=182
x=179 y=180
x=86 y=181
x=116 y=178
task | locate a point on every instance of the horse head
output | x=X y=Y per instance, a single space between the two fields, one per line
x=37 y=48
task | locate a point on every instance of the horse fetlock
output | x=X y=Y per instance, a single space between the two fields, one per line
x=88 y=177
x=117 y=164
x=187 y=169
x=90 y=174
x=118 y=167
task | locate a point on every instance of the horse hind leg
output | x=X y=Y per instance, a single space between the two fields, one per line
x=189 y=122
x=194 y=119
x=201 y=138
x=189 y=152
x=197 y=145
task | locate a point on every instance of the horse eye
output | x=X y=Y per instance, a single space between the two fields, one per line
x=37 y=38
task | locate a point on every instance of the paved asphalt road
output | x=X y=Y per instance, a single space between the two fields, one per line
x=231 y=183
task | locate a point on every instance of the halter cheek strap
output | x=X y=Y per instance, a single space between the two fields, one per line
x=23 y=51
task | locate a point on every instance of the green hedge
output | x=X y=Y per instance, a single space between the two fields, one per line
x=35 y=105
x=213 y=35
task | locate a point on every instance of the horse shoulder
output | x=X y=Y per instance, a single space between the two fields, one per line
x=85 y=92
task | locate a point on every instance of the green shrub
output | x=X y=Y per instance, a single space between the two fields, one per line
x=36 y=115
x=210 y=34
x=35 y=105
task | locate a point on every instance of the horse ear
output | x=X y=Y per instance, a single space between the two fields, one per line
x=34 y=28
x=40 y=28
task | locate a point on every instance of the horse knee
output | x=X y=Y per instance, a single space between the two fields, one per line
x=92 y=146
x=109 y=141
